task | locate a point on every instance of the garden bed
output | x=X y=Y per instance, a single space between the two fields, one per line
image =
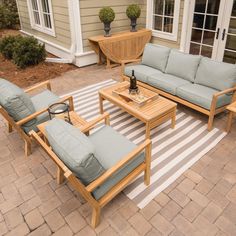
x=33 y=74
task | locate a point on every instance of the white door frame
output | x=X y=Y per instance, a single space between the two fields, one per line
x=222 y=23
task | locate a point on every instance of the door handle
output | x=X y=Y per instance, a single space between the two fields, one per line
x=223 y=34
x=217 y=33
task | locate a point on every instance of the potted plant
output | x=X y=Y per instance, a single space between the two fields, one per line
x=107 y=15
x=133 y=11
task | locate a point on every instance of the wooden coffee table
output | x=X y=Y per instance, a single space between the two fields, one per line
x=75 y=119
x=153 y=113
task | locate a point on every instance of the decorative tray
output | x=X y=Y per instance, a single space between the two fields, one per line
x=141 y=98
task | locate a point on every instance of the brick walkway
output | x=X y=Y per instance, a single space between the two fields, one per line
x=200 y=202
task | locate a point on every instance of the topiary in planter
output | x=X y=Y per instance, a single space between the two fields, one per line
x=133 y=12
x=107 y=15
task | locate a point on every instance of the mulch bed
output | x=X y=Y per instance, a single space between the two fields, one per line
x=33 y=74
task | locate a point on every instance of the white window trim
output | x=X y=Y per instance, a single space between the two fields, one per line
x=41 y=27
x=156 y=33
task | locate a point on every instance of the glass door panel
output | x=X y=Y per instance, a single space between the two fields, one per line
x=204 y=27
x=230 y=37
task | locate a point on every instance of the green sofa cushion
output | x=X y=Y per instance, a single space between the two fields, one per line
x=15 y=101
x=182 y=65
x=110 y=148
x=201 y=95
x=141 y=72
x=41 y=101
x=166 y=82
x=217 y=75
x=74 y=149
x=155 y=56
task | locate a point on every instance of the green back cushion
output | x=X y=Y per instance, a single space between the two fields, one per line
x=155 y=56
x=74 y=149
x=182 y=65
x=15 y=101
x=217 y=75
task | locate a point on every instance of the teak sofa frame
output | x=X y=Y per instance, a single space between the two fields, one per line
x=17 y=124
x=86 y=191
x=210 y=113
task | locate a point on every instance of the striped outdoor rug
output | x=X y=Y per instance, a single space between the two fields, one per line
x=173 y=151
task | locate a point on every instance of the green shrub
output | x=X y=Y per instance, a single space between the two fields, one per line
x=133 y=11
x=106 y=15
x=7 y=45
x=27 y=51
x=8 y=14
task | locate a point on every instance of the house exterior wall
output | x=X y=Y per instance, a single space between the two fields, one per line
x=61 y=23
x=90 y=22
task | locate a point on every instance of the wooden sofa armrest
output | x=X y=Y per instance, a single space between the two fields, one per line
x=34 y=115
x=105 y=116
x=218 y=94
x=46 y=84
x=123 y=62
x=145 y=145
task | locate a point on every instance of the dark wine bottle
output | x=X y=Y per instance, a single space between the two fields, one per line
x=133 y=82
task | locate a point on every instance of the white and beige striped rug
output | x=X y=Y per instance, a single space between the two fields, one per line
x=173 y=150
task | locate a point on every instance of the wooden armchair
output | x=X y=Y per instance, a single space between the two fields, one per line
x=17 y=125
x=88 y=191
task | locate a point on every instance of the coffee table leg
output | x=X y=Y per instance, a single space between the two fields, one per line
x=101 y=104
x=148 y=130
x=173 y=120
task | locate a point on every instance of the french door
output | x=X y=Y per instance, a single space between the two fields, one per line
x=212 y=29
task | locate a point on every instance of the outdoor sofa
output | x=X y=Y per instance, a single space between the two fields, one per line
x=198 y=82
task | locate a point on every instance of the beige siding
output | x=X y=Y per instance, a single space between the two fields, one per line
x=61 y=22
x=170 y=43
x=91 y=24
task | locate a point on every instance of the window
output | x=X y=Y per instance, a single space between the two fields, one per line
x=163 y=18
x=41 y=16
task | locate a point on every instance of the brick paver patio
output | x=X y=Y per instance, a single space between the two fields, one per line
x=201 y=202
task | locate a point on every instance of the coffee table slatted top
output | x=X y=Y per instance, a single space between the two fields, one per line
x=152 y=110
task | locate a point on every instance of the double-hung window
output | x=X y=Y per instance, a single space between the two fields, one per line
x=163 y=18
x=41 y=16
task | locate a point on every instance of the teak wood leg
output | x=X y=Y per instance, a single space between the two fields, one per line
x=148 y=130
x=173 y=120
x=60 y=176
x=101 y=104
x=147 y=172
x=229 y=122
x=27 y=148
x=210 y=122
x=10 y=128
x=95 y=217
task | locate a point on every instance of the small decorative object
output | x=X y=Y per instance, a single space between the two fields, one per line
x=133 y=11
x=61 y=111
x=107 y=15
x=133 y=88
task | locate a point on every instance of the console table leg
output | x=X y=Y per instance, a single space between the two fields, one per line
x=229 y=122
x=101 y=104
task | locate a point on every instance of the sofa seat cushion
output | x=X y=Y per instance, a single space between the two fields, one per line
x=155 y=56
x=110 y=148
x=41 y=101
x=15 y=101
x=166 y=82
x=141 y=72
x=201 y=95
x=74 y=149
x=217 y=75
x=182 y=65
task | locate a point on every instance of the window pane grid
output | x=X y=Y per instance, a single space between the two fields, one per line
x=163 y=15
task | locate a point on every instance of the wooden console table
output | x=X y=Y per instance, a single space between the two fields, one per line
x=120 y=46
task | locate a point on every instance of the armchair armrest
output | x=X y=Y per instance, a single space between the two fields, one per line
x=91 y=124
x=145 y=145
x=46 y=84
x=34 y=115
